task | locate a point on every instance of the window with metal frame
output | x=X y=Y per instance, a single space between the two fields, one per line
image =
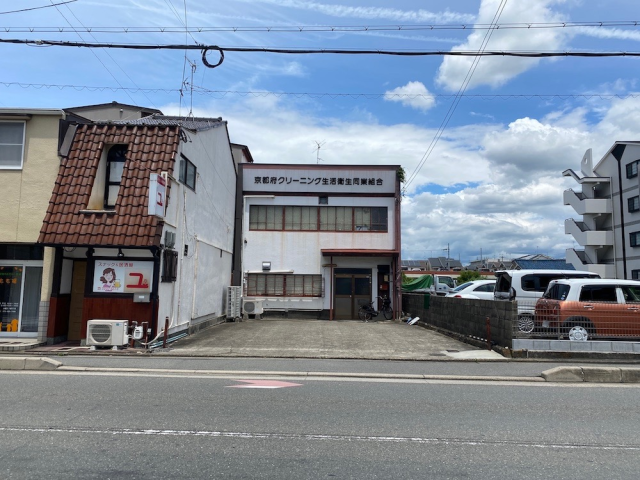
x=329 y=219
x=188 y=173
x=635 y=274
x=632 y=169
x=11 y=144
x=284 y=285
x=634 y=203
x=116 y=158
x=634 y=239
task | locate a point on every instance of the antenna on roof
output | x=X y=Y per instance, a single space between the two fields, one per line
x=193 y=70
x=317 y=149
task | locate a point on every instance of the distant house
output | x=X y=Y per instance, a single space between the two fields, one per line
x=488 y=264
x=142 y=222
x=539 y=262
x=444 y=264
x=415 y=265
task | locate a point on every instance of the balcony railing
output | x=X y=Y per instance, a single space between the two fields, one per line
x=587 y=206
x=584 y=236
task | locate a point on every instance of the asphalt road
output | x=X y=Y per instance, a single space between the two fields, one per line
x=114 y=426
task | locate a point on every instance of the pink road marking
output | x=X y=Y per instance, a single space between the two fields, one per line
x=264 y=384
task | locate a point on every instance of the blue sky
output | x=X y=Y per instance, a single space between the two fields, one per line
x=493 y=180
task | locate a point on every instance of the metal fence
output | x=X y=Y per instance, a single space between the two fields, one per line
x=569 y=320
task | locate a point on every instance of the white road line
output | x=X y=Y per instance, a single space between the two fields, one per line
x=339 y=438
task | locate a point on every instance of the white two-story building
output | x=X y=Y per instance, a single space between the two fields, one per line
x=317 y=240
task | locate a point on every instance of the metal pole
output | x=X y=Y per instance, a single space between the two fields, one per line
x=166 y=332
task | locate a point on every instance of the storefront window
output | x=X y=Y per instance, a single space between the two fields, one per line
x=19 y=298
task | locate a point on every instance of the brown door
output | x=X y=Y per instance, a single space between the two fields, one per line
x=77 y=299
x=351 y=291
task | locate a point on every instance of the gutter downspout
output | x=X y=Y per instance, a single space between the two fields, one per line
x=331 y=289
x=397 y=275
x=617 y=153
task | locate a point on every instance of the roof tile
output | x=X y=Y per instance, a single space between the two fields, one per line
x=129 y=224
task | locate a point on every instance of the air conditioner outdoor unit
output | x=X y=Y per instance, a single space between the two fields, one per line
x=251 y=306
x=107 y=333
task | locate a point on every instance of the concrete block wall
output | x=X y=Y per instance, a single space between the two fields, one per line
x=43 y=320
x=467 y=317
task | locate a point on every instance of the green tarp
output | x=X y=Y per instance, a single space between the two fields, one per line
x=420 y=283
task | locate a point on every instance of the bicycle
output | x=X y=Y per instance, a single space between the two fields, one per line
x=366 y=312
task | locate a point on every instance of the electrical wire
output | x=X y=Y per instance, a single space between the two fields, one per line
x=353 y=95
x=38 y=8
x=94 y=53
x=456 y=101
x=331 y=28
x=112 y=59
x=302 y=51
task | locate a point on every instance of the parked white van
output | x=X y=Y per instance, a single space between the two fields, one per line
x=526 y=287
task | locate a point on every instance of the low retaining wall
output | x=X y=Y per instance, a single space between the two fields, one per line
x=464 y=316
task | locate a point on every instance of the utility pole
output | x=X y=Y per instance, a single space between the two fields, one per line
x=448 y=254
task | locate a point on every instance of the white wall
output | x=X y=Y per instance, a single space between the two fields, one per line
x=203 y=221
x=300 y=252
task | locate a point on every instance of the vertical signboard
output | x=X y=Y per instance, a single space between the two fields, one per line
x=157 y=195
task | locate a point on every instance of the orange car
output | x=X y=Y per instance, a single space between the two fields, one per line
x=585 y=309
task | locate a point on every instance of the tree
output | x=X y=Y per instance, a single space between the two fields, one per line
x=469 y=275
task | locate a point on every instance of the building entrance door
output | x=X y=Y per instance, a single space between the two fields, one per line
x=352 y=288
x=77 y=299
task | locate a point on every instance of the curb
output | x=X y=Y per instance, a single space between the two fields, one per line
x=28 y=363
x=592 y=375
x=626 y=375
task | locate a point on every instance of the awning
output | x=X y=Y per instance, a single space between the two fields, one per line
x=359 y=252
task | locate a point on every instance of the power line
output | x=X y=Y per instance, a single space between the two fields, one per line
x=302 y=51
x=331 y=28
x=456 y=100
x=38 y=8
x=94 y=53
x=109 y=55
x=353 y=95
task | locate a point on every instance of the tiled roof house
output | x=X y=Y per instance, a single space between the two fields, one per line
x=100 y=220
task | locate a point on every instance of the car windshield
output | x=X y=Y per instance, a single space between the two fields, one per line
x=463 y=286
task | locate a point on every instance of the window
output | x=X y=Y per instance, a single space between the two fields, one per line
x=598 y=293
x=634 y=239
x=300 y=218
x=634 y=203
x=187 y=173
x=635 y=274
x=20 y=287
x=116 y=157
x=169 y=265
x=329 y=219
x=632 y=169
x=11 y=144
x=284 y=285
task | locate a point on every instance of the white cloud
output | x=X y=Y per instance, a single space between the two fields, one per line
x=413 y=94
x=336 y=10
x=512 y=204
x=496 y=71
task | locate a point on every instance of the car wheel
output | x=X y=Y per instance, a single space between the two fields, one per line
x=578 y=330
x=525 y=323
